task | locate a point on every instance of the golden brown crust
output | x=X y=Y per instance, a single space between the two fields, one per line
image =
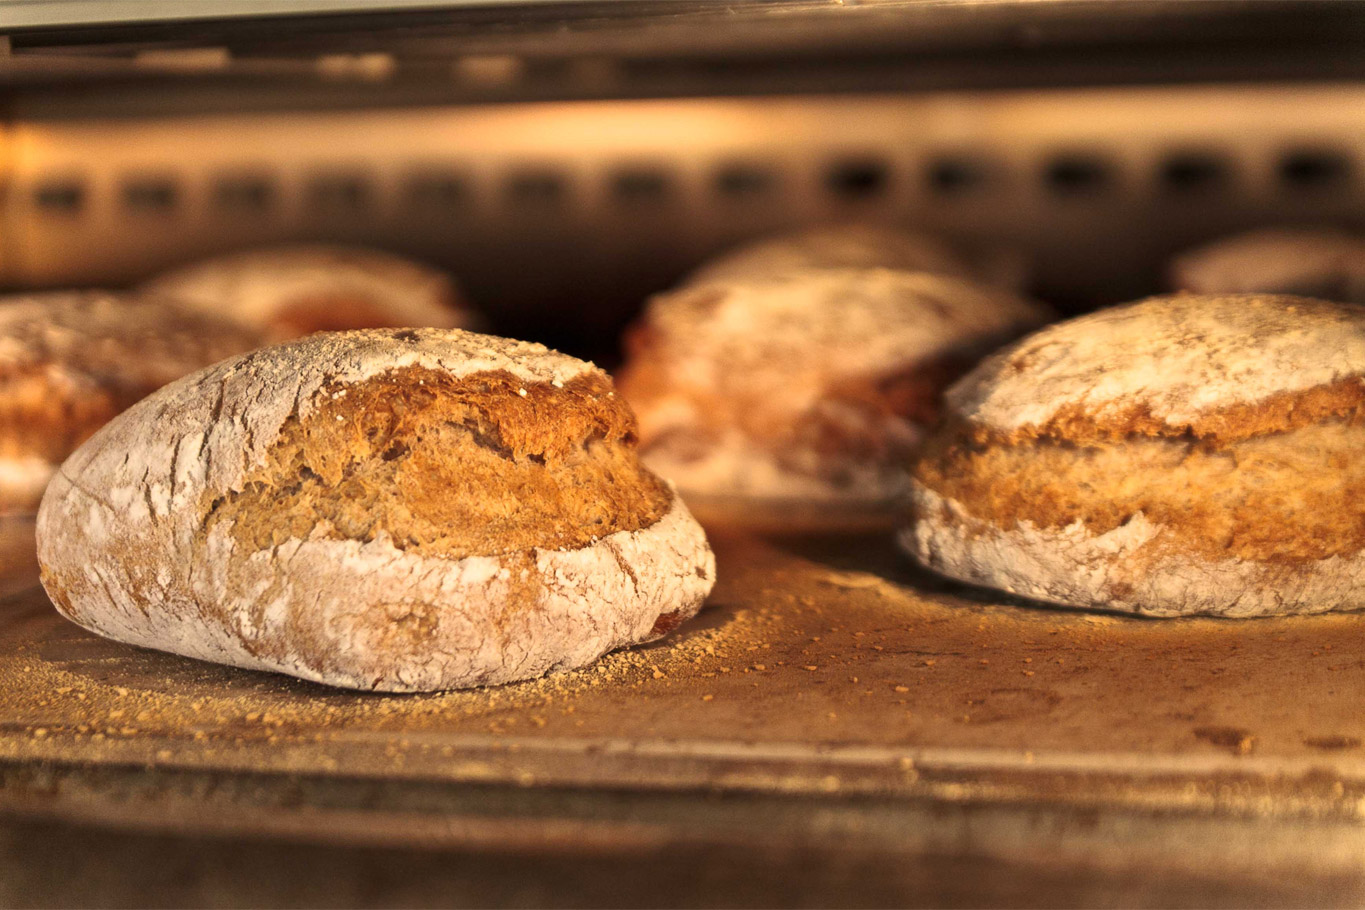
x=486 y=464
x=1279 y=413
x=1275 y=498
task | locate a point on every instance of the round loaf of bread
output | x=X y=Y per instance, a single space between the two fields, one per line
x=858 y=246
x=1181 y=455
x=403 y=510
x=811 y=388
x=1312 y=263
x=290 y=291
x=71 y=360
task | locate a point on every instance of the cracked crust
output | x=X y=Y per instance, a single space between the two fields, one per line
x=294 y=290
x=1182 y=455
x=1209 y=365
x=71 y=360
x=126 y=550
x=808 y=388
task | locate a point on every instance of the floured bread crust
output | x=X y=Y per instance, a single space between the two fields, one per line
x=71 y=360
x=811 y=387
x=293 y=290
x=1176 y=456
x=1309 y=262
x=300 y=510
x=859 y=246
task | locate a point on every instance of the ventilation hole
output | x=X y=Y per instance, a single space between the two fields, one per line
x=150 y=195
x=956 y=175
x=536 y=188
x=640 y=185
x=61 y=197
x=244 y=194
x=1194 y=172
x=1075 y=175
x=1310 y=169
x=337 y=193
x=436 y=191
x=861 y=178
x=744 y=181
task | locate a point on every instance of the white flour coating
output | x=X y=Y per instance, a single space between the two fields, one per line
x=1315 y=263
x=256 y=286
x=124 y=551
x=843 y=246
x=22 y=481
x=90 y=338
x=787 y=339
x=1124 y=570
x=1178 y=357
x=735 y=466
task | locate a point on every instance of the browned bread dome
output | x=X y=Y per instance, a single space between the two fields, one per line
x=1181 y=455
x=811 y=387
x=387 y=509
x=292 y=290
x=1305 y=261
x=859 y=246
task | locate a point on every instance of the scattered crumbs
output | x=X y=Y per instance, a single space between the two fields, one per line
x=521 y=392
x=810 y=668
x=929 y=662
x=657 y=674
x=708 y=698
x=902 y=689
x=984 y=662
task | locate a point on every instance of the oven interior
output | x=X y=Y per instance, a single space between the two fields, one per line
x=853 y=729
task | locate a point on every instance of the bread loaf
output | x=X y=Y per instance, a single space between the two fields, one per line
x=403 y=510
x=1309 y=262
x=71 y=360
x=1181 y=455
x=290 y=291
x=858 y=246
x=812 y=387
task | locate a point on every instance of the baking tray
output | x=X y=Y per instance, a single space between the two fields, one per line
x=832 y=700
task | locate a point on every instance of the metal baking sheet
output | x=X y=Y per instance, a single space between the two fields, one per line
x=825 y=674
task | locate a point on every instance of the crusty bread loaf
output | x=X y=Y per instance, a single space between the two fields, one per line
x=1181 y=455
x=1309 y=262
x=807 y=388
x=401 y=510
x=859 y=246
x=70 y=360
x=293 y=290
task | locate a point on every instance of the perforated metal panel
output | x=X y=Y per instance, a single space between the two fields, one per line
x=560 y=217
